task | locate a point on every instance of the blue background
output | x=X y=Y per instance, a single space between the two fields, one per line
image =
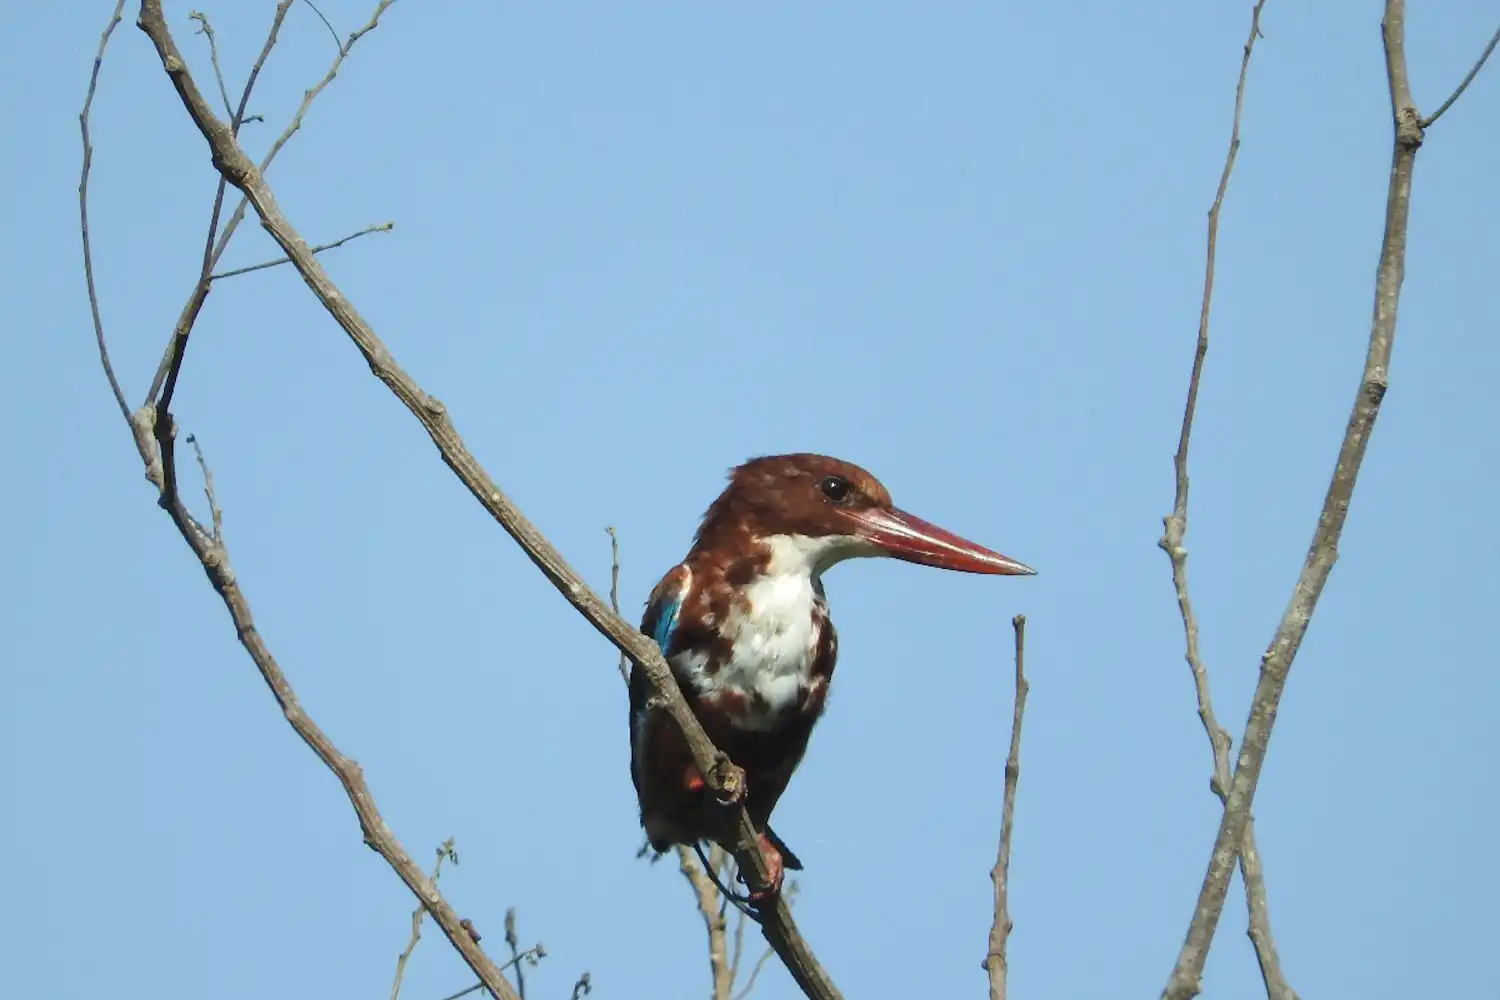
x=960 y=244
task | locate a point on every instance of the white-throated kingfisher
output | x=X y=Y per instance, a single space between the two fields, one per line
x=744 y=625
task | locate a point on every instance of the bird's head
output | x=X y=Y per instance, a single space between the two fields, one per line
x=829 y=510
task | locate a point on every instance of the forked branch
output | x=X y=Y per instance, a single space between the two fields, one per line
x=1322 y=553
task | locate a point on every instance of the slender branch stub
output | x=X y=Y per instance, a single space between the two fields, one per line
x=729 y=781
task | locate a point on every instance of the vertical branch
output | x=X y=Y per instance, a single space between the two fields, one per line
x=996 y=962
x=83 y=213
x=1171 y=542
x=1322 y=553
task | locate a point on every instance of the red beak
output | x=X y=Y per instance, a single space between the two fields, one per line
x=906 y=536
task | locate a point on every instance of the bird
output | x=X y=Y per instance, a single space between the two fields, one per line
x=743 y=623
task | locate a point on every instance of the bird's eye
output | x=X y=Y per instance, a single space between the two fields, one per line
x=836 y=489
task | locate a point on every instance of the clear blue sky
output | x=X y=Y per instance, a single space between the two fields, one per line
x=959 y=244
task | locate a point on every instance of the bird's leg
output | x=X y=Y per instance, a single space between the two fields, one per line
x=775 y=871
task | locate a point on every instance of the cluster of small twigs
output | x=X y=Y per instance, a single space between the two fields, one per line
x=154 y=432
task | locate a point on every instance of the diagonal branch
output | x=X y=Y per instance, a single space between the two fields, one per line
x=379 y=227
x=1464 y=84
x=1171 y=543
x=723 y=777
x=1276 y=663
x=155 y=437
x=996 y=962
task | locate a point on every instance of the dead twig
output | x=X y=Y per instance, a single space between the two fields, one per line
x=83 y=213
x=207 y=30
x=1322 y=553
x=995 y=961
x=1464 y=84
x=445 y=852
x=1171 y=542
x=382 y=227
x=614 y=593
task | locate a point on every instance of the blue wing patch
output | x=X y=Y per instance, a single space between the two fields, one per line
x=665 y=607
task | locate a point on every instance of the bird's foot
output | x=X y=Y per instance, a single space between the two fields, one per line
x=729 y=781
x=775 y=872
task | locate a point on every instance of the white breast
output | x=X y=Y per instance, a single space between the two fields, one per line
x=775 y=636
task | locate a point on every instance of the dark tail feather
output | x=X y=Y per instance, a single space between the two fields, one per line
x=789 y=861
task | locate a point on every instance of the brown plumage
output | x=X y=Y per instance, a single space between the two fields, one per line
x=744 y=624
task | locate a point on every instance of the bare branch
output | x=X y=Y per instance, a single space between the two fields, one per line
x=171 y=361
x=706 y=895
x=445 y=852
x=326 y=23
x=583 y=987
x=382 y=227
x=1323 y=551
x=165 y=380
x=1464 y=85
x=83 y=212
x=995 y=961
x=1171 y=543
x=154 y=434
x=726 y=780
x=207 y=30
x=614 y=593
x=532 y=956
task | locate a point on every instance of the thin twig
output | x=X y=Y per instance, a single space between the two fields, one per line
x=83 y=213
x=583 y=987
x=216 y=516
x=1323 y=551
x=164 y=383
x=720 y=774
x=996 y=962
x=533 y=955
x=1463 y=86
x=614 y=592
x=326 y=23
x=445 y=852
x=383 y=227
x=1171 y=542
x=207 y=30
x=514 y=942
x=172 y=357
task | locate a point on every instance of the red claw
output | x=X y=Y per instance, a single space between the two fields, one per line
x=775 y=870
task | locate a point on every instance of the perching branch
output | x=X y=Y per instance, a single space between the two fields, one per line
x=995 y=962
x=723 y=968
x=154 y=433
x=1171 y=543
x=726 y=780
x=1276 y=663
